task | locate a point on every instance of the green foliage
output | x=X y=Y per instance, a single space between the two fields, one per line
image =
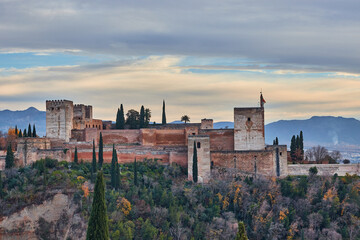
x=25 y=133
x=132 y=119
x=163 y=119
x=93 y=163
x=313 y=171
x=98 y=222
x=114 y=169
x=195 y=164
x=135 y=173
x=34 y=131
x=101 y=151
x=20 y=133
x=241 y=234
x=117 y=122
x=1 y=187
x=76 y=160
x=9 y=159
x=29 y=134
x=142 y=117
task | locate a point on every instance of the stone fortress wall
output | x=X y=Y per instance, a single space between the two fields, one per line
x=242 y=148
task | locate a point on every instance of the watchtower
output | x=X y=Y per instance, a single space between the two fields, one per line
x=59 y=119
x=207 y=124
x=202 y=144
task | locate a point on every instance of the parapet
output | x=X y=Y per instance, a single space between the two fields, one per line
x=207 y=124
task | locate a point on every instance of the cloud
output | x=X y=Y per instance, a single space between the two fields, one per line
x=308 y=33
x=147 y=81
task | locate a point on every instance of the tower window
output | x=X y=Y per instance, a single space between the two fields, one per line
x=280 y=153
x=198 y=145
x=249 y=119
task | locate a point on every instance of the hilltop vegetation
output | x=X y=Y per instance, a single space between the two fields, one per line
x=164 y=205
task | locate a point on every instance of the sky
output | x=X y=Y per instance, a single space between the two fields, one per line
x=203 y=57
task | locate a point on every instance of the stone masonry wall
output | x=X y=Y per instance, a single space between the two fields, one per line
x=59 y=119
x=220 y=139
x=324 y=169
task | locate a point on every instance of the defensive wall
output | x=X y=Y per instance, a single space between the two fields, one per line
x=324 y=169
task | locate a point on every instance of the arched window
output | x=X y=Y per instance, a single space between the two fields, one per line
x=198 y=145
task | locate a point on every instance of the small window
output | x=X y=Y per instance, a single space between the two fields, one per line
x=198 y=145
x=249 y=119
x=52 y=109
x=193 y=133
x=280 y=153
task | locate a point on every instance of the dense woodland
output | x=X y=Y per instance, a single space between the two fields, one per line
x=162 y=204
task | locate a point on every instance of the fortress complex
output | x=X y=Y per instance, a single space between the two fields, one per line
x=242 y=149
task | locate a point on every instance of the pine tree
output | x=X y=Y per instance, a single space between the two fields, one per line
x=142 y=117
x=16 y=130
x=25 y=133
x=101 y=151
x=163 y=113
x=29 y=131
x=76 y=160
x=135 y=173
x=195 y=164
x=34 y=131
x=1 y=187
x=9 y=160
x=20 y=133
x=118 y=119
x=94 y=159
x=241 y=234
x=98 y=223
x=121 y=118
x=113 y=167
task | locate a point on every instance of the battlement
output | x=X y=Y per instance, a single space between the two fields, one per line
x=58 y=101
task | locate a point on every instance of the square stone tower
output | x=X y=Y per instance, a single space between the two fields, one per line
x=59 y=119
x=202 y=143
x=249 y=129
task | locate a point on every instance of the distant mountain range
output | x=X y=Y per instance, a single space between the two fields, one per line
x=328 y=131
x=22 y=119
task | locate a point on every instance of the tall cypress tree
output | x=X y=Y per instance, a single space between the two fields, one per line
x=121 y=118
x=16 y=130
x=101 y=151
x=118 y=119
x=293 y=147
x=29 y=131
x=302 y=142
x=163 y=113
x=277 y=141
x=241 y=234
x=195 y=164
x=135 y=173
x=113 y=167
x=76 y=160
x=9 y=160
x=142 y=117
x=25 y=133
x=94 y=159
x=34 y=131
x=98 y=223
x=20 y=133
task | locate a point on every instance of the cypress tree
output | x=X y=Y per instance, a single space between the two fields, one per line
x=20 y=133
x=29 y=131
x=293 y=147
x=9 y=160
x=98 y=223
x=113 y=167
x=118 y=119
x=142 y=117
x=274 y=142
x=195 y=164
x=121 y=118
x=277 y=141
x=25 y=134
x=76 y=160
x=94 y=159
x=297 y=141
x=16 y=130
x=101 y=150
x=1 y=187
x=163 y=113
x=302 y=142
x=135 y=173
x=241 y=234
x=34 y=131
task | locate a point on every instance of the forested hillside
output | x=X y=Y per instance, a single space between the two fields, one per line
x=164 y=205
